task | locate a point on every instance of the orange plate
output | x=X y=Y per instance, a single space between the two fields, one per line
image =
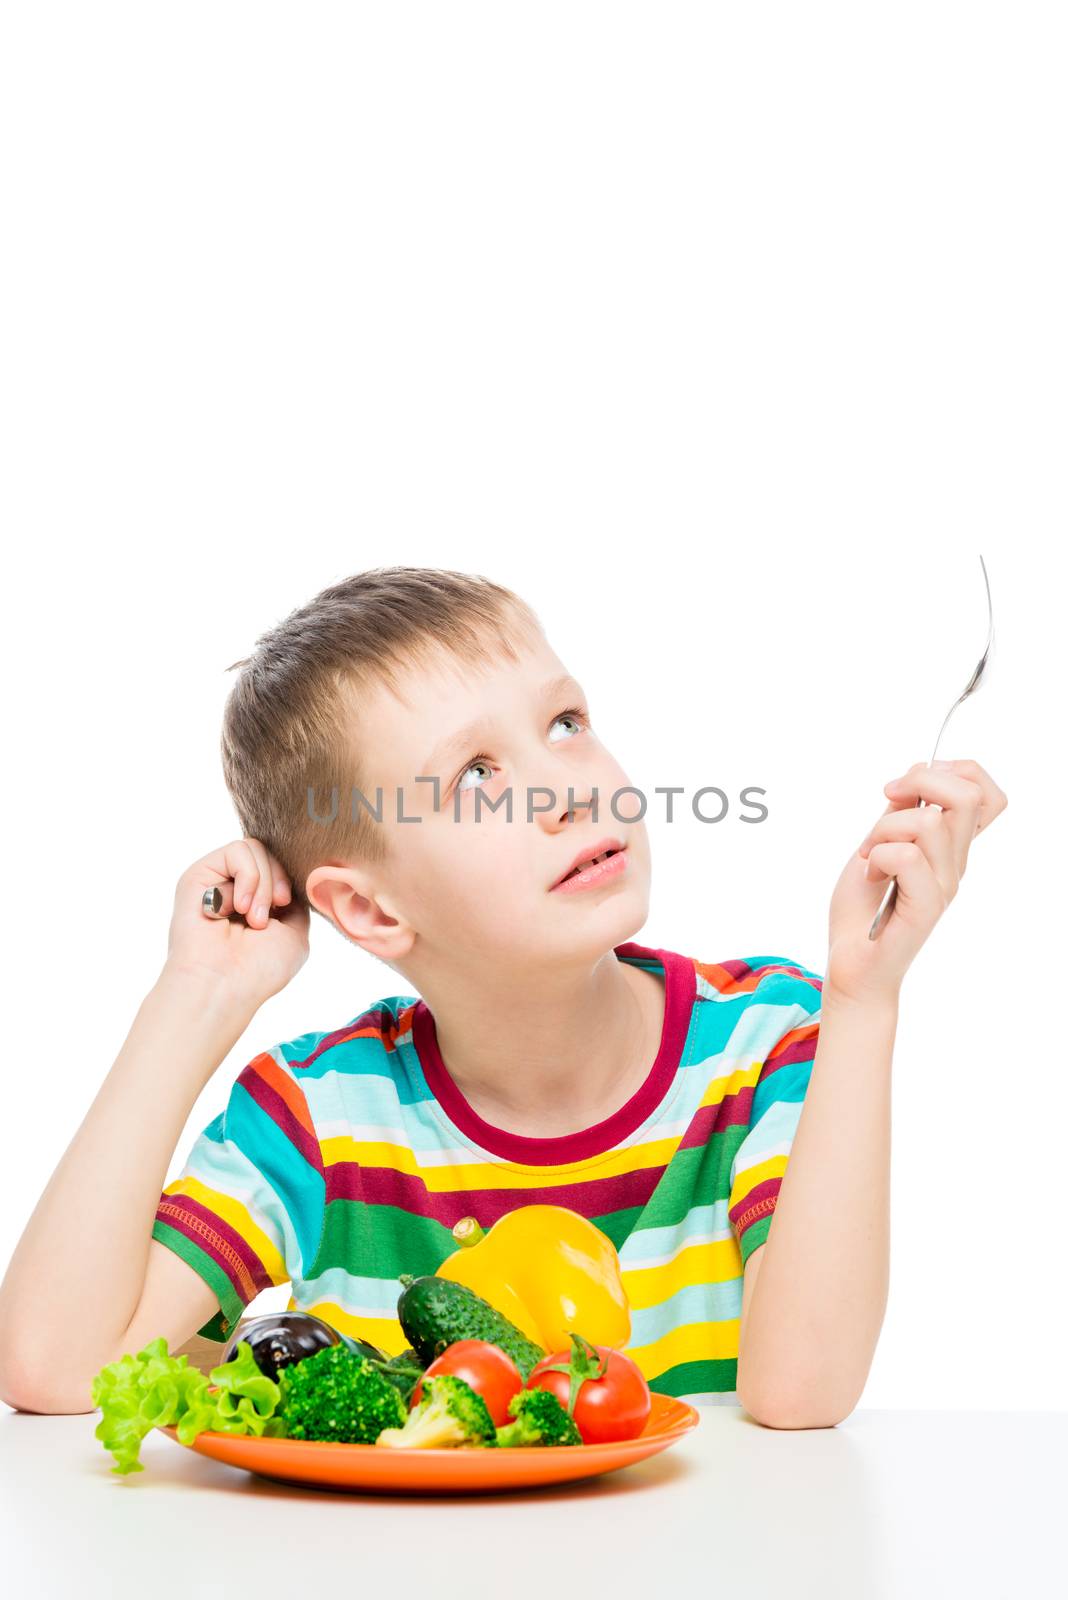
x=369 y=1466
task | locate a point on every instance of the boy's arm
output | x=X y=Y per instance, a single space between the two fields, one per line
x=818 y=1306
x=812 y=1320
x=87 y=1277
x=87 y=1281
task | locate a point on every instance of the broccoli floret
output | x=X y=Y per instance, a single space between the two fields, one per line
x=539 y=1419
x=336 y=1394
x=449 y=1414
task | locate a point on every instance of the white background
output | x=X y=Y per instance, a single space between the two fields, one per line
x=728 y=337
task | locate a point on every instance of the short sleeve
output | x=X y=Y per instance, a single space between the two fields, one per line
x=247 y=1211
x=783 y=1030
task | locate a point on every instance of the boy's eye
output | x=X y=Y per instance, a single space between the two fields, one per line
x=573 y=714
x=479 y=761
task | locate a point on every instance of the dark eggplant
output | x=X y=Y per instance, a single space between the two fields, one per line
x=282 y=1337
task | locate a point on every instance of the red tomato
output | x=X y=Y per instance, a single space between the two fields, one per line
x=614 y=1406
x=490 y=1372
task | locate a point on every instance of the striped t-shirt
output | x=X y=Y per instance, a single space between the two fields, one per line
x=343 y=1159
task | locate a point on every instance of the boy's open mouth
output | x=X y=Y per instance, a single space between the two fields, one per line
x=590 y=859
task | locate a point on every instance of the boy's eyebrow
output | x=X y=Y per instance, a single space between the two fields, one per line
x=467 y=736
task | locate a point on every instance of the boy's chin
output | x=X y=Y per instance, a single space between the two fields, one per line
x=601 y=926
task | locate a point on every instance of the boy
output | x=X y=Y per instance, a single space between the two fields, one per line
x=549 y=1059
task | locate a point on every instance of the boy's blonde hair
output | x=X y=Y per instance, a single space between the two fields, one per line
x=292 y=717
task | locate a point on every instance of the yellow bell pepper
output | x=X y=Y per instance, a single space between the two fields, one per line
x=548 y=1270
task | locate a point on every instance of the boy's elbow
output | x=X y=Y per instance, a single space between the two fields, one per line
x=24 y=1390
x=46 y=1403
x=788 y=1412
x=793 y=1419
x=800 y=1421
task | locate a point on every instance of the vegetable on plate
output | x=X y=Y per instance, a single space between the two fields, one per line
x=340 y=1397
x=602 y=1390
x=435 y=1312
x=489 y=1371
x=539 y=1419
x=549 y=1270
x=404 y=1371
x=282 y=1337
x=449 y=1416
x=154 y=1389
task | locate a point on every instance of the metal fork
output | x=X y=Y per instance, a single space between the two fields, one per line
x=889 y=900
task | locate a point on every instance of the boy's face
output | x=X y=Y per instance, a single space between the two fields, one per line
x=456 y=886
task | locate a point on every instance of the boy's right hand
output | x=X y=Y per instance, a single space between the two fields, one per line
x=250 y=952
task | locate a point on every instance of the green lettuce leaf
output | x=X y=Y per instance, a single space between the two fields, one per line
x=246 y=1397
x=154 y=1389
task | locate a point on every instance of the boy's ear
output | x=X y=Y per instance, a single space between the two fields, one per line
x=348 y=898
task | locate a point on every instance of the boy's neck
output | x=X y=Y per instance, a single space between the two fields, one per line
x=576 y=1049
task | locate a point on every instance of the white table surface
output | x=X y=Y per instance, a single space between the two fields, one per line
x=889 y=1503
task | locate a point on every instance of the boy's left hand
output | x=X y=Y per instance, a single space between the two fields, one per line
x=926 y=850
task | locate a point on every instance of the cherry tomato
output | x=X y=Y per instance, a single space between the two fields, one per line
x=615 y=1405
x=490 y=1372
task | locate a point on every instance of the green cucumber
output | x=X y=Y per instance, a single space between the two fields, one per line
x=435 y=1312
